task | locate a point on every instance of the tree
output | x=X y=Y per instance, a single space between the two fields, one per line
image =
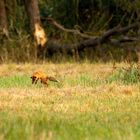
x=35 y=22
x=87 y=22
x=32 y=11
x=3 y=19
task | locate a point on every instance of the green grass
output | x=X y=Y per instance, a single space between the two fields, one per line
x=125 y=76
x=15 y=81
x=97 y=123
x=24 y=81
x=83 y=106
x=60 y=128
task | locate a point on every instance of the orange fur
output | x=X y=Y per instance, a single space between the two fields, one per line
x=44 y=81
x=39 y=75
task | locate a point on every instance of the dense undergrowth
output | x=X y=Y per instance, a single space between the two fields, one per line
x=21 y=49
x=90 y=17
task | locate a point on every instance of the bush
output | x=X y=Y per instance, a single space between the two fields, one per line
x=125 y=76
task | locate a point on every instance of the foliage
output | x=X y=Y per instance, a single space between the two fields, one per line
x=92 y=17
x=19 y=48
x=125 y=76
x=91 y=14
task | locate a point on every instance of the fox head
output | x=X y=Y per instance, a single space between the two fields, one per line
x=34 y=78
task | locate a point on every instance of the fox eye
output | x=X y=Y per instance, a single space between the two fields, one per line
x=33 y=77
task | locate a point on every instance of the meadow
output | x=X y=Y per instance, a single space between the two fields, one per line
x=92 y=101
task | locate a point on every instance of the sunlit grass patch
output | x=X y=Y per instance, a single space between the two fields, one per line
x=104 y=116
x=15 y=81
x=90 y=102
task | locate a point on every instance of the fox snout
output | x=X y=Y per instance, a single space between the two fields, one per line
x=33 y=79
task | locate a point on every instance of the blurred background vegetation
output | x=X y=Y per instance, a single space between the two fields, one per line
x=92 y=17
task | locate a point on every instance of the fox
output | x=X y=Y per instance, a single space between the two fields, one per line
x=39 y=75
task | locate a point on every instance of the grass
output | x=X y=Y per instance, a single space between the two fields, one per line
x=126 y=76
x=92 y=102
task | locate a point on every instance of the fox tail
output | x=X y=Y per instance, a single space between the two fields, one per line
x=53 y=79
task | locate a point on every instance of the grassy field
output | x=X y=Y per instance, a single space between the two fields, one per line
x=93 y=101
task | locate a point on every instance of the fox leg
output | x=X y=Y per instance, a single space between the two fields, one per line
x=45 y=84
x=33 y=79
x=44 y=81
x=36 y=80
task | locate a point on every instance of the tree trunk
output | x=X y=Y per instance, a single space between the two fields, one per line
x=3 y=19
x=35 y=22
x=32 y=12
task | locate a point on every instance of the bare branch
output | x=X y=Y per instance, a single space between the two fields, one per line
x=125 y=39
x=105 y=37
x=77 y=32
x=93 y=41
